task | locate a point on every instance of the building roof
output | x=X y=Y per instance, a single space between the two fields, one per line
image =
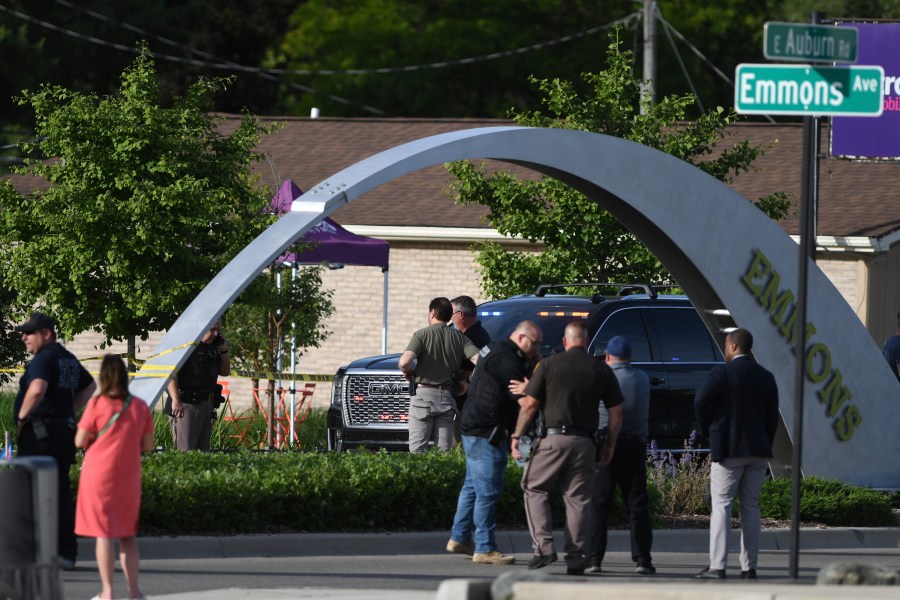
x=854 y=197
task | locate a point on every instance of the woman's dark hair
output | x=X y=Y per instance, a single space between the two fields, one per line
x=113 y=377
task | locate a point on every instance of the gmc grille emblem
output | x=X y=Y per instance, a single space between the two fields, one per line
x=388 y=388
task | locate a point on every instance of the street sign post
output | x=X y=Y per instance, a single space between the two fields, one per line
x=808 y=90
x=800 y=42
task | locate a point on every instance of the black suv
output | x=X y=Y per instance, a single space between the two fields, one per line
x=669 y=341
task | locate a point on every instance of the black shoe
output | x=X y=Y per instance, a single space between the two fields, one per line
x=575 y=571
x=708 y=573
x=645 y=568
x=66 y=564
x=751 y=574
x=539 y=561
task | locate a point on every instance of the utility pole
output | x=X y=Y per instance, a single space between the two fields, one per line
x=650 y=50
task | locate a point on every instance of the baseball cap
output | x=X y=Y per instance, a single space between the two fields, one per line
x=37 y=322
x=619 y=347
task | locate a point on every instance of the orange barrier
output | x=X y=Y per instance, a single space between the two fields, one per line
x=283 y=418
x=241 y=424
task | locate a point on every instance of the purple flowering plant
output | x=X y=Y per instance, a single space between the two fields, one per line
x=679 y=480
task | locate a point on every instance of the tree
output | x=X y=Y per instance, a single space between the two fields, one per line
x=12 y=351
x=593 y=247
x=268 y=315
x=145 y=205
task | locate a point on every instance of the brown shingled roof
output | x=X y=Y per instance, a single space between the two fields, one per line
x=856 y=199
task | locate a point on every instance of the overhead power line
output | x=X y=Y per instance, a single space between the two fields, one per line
x=230 y=66
x=167 y=57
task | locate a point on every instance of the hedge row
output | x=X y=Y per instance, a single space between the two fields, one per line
x=254 y=492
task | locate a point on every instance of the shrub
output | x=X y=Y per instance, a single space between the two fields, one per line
x=829 y=502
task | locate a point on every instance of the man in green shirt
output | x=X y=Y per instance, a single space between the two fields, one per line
x=432 y=358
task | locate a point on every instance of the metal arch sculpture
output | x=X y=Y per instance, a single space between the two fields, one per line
x=726 y=254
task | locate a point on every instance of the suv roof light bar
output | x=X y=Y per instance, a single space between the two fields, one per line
x=622 y=289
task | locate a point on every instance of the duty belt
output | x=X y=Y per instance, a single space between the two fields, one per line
x=195 y=396
x=443 y=386
x=569 y=430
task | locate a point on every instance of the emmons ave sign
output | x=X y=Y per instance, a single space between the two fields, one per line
x=808 y=90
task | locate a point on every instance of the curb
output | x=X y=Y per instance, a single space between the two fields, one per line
x=517 y=542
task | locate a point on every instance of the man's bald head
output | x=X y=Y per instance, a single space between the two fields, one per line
x=576 y=335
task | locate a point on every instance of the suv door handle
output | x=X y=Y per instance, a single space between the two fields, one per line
x=657 y=380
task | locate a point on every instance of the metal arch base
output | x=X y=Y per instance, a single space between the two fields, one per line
x=706 y=234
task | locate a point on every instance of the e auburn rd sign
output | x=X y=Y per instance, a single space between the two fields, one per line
x=807 y=90
x=803 y=42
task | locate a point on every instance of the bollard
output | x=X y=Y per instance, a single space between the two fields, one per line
x=28 y=529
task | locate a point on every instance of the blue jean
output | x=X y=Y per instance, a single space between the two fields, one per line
x=480 y=494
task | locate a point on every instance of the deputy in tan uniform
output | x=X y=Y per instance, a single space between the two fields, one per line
x=568 y=387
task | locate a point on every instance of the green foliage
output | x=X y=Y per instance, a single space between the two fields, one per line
x=145 y=205
x=6 y=413
x=594 y=246
x=12 y=351
x=268 y=312
x=827 y=501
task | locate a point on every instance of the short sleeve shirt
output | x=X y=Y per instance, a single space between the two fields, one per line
x=490 y=403
x=65 y=376
x=200 y=372
x=439 y=350
x=571 y=385
x=891 y=352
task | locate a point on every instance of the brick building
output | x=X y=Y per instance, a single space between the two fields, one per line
x=430 y=237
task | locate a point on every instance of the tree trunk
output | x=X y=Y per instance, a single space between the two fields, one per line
x=130 y=359
x=270 y=433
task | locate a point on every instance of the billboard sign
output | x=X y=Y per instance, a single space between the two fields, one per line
x=874 y=137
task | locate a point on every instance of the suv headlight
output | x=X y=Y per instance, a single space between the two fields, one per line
x=337 y=388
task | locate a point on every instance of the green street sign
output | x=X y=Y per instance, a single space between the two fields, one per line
x=808 y=90
x=810 y=43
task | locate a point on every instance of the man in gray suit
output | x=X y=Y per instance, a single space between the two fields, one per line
x=737 y=409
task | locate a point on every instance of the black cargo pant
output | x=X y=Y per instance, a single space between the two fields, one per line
x=628 y=471
x=60 y=445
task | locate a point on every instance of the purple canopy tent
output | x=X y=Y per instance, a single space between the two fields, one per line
x=336 y=247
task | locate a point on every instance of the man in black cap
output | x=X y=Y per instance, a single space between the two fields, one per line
x=628 y=467
x=54 y=387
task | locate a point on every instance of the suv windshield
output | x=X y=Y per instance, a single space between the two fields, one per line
x=499 y=319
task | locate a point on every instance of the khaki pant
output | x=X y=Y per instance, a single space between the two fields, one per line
x=193 y=430
x=431 y=415
x=570 y=460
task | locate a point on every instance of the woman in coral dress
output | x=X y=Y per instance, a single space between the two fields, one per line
x=115 y=428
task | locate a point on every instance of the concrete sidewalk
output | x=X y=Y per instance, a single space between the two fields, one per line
x=676 y=552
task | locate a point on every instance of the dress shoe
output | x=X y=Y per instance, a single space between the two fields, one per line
x=574 y=570
x=66 y=564
x=751 y=574
x=494 y=557
x=455 y=547
x=539 y=561
x=709 y=573
x=645 y=568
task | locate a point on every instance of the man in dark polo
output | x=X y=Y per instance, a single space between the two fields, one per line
x=53 y=388
x=568 y=387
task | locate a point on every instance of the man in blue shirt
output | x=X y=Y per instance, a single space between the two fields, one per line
x=891 y=350
x=54 y=387
x=628 y=467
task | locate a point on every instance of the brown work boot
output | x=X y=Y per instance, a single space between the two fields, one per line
x=494 y=557
x=455 y=547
